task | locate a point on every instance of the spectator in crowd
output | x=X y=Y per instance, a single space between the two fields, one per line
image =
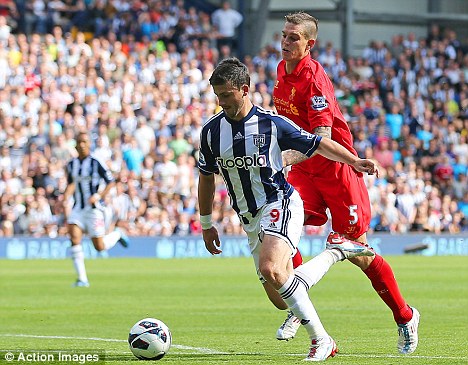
x=133 y=156
x=226 y=20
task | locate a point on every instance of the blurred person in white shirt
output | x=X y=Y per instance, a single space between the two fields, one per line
x=226 y=21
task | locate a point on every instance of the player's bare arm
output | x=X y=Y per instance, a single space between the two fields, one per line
x=333 y=151
x=323 y=131
x=336 y=152
x=206 y=190
x=69 y=190
x=100 y=196
x=292 y=157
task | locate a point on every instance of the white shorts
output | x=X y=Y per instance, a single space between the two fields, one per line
x=90 y=220
x=283 y=219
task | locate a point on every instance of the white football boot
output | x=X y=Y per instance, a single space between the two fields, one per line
x=348 y=248
x=321 y=349
x=288 y=329
x=408 y=334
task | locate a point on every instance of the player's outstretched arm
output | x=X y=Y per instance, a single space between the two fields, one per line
x=336 y=152
x=366 y=165
x=332 y=152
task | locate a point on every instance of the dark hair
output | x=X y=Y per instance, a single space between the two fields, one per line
x=232 y=71
x=83 y=134
x=308 y=23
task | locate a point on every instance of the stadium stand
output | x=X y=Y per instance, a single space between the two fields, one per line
x=135 y=75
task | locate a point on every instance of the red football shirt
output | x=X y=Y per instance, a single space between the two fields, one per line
x=307 y=97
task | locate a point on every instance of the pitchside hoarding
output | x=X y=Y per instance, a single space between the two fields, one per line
x=20 y=248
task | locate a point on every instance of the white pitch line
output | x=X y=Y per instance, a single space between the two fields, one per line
x=180 y=347
x=65 y=337
x=216 y=352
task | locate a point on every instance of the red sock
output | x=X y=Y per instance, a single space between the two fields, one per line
x=381 y=276
x=297 y=259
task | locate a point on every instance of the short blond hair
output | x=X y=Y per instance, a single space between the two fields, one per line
x=308 y=23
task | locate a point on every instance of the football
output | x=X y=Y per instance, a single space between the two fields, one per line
x=149 y=339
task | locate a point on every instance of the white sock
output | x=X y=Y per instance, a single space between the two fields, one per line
x=295 y=296
x=77 y=255
x=111 y=239
x=313 y=270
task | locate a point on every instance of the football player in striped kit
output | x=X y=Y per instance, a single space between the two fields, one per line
x=84 y=175
x=249 y=147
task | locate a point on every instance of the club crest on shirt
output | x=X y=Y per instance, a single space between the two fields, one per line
x=259 y=140
x=293 y=94
x=319 y=102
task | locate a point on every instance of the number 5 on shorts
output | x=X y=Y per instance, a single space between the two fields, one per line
x=353 y=214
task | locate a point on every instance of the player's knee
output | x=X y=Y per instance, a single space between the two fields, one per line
x=98 y=244
x=270 y=272
x=75 y=240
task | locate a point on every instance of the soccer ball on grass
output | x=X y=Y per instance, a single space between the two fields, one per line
x=149 y=339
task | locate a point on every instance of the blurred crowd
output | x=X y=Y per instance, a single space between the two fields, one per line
x=134 y=74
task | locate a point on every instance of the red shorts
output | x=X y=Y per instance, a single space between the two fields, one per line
x=297 y=259
x=340 y=189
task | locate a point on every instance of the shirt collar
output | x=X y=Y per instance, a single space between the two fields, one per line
x=300 y=66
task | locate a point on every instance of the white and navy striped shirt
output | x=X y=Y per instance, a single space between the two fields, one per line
x=247 y=153
x=87 y=175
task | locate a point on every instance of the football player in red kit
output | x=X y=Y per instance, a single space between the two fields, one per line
x=304 y=93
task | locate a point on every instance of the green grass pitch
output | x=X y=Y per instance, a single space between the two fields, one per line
x=218 y=313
